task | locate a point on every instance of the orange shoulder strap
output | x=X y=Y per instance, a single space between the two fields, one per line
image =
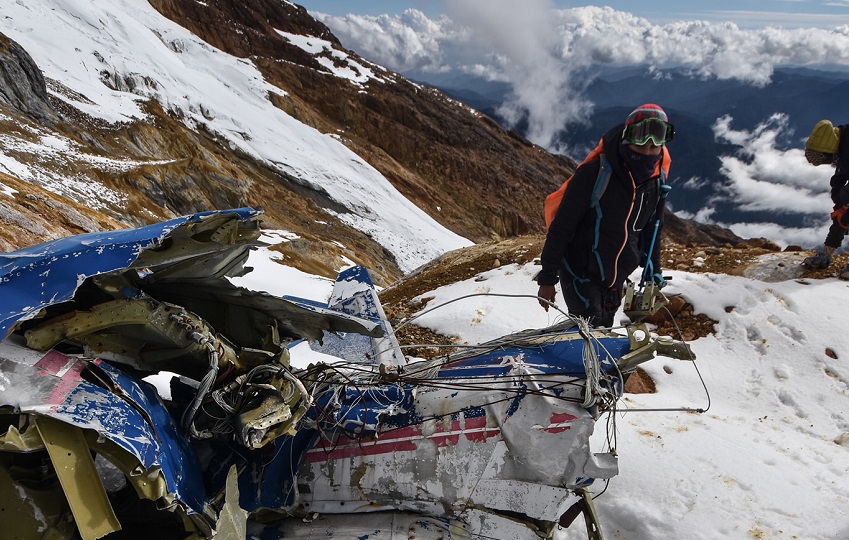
x=665 y=163
x=552 y=200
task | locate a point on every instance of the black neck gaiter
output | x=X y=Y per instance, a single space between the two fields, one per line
x=641 y=166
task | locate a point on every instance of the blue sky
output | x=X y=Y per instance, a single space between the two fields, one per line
x=744 y=13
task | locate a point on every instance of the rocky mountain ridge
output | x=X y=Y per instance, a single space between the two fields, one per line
x=475 y=178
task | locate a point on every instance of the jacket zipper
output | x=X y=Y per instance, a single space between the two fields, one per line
x=625 y=230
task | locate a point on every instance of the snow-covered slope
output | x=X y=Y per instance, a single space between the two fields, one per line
x=770 y=456
x=79 y=45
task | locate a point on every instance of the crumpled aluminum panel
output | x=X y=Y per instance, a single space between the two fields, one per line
x=131 y=414
x=38 y=276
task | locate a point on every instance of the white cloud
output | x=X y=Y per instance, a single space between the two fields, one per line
x=765 y=179
x=410 y=41
x=808 y=238
x=542 y=51
x=525 y=46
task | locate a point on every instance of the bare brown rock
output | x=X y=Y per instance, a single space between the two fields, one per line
x=760 y=243
x=640 y=382
x=668 y=312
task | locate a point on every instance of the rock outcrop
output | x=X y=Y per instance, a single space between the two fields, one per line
x=22 y=85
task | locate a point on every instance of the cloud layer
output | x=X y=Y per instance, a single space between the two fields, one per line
x=544 y=52
x=763 y=178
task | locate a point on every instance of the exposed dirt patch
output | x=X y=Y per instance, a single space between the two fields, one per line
x=462 y=264
x=738 y=259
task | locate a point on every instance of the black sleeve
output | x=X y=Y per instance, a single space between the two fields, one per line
x=840 y=178
x=573 y=207
x=838 y=185
x=841 y=195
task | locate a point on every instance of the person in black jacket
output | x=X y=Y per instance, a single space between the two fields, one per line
x=825 y=146
x=593 y=247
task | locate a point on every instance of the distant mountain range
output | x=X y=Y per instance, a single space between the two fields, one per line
x=693 y=104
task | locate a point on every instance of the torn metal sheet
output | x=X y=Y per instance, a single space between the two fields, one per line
x=121 y=409
x=374 y=526
x=45 y=274
x=232 y=520
x=499 y=414
x=194 y=252
x=354 y=294
x=492 y=441
x=40 y=508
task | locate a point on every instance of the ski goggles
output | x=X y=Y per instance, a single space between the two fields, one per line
x=650 y=129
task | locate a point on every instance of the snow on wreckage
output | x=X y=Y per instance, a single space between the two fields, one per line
x=488 y=442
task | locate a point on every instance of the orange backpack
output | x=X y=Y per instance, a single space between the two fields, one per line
x=552 y=200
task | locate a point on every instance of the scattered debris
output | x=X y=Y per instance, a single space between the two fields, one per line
x=455 y=446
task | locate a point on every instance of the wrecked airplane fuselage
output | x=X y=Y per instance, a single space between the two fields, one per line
x=493 y=441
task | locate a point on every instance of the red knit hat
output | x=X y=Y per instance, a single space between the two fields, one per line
x=648 y=110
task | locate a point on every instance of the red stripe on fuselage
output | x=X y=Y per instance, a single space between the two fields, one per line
x=404 y=439
x=559 y=422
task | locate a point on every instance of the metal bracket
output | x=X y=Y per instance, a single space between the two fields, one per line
x=642 y=302
x=586 y=507
x=75 y=469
